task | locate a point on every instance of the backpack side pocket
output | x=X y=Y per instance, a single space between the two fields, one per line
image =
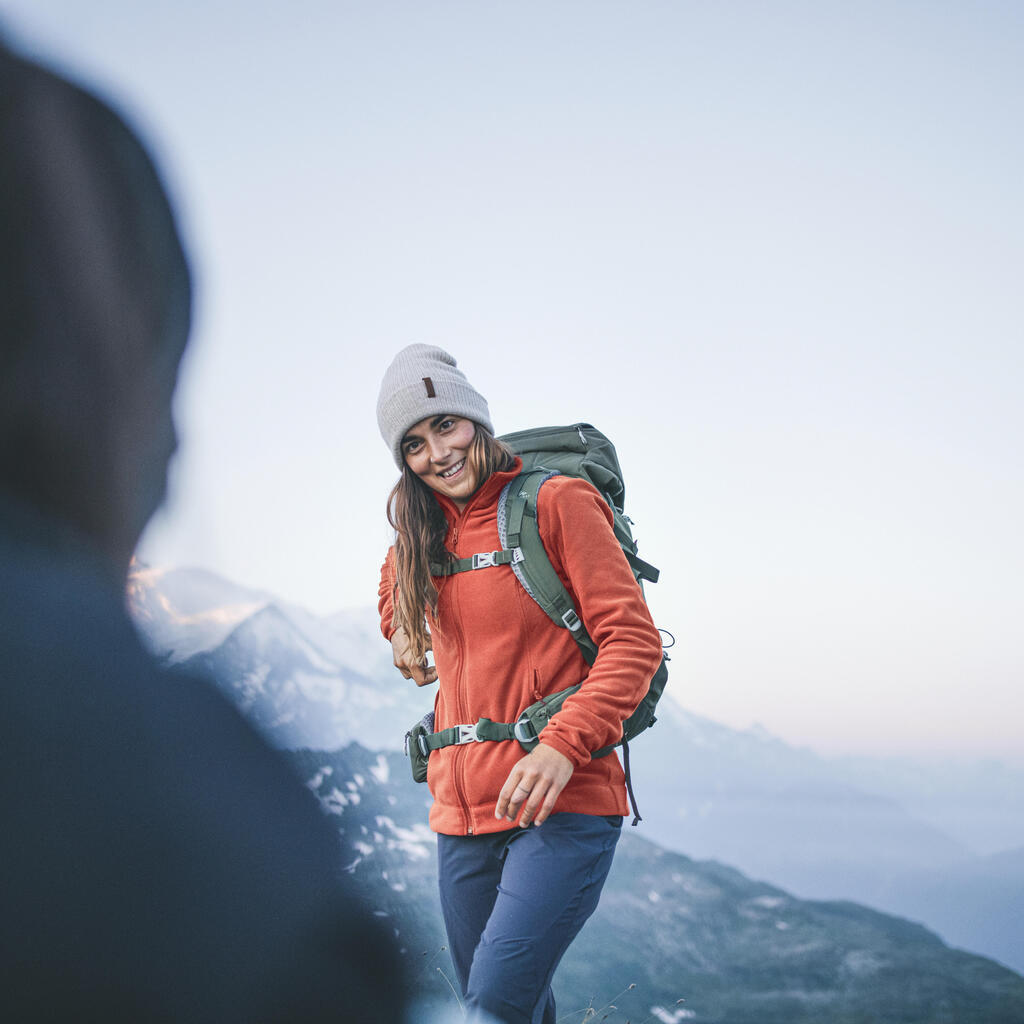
x=416 y=748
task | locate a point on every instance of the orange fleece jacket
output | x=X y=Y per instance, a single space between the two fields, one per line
x=496 y=653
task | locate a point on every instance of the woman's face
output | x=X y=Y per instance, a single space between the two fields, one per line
x=436 y=450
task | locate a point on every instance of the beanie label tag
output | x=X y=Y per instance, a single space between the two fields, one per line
x=429 y=384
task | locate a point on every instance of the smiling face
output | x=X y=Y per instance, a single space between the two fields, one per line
x=437 y=451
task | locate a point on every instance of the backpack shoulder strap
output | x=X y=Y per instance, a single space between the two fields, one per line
x=518 y=529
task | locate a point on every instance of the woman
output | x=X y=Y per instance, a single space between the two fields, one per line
x=525 y=841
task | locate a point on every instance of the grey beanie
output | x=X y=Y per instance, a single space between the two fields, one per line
x=422 y=381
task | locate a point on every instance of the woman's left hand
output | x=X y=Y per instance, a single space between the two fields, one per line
x=537 y=779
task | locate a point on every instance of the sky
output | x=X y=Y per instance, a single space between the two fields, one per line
x=772 y=249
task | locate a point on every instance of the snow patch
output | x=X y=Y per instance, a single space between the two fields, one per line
x=252 y=686
x=381 y=770
x=327 y=688
x=229 y=615
x=318 y=780
x=335 y=802
x=416 y=842
x=862 y=962
x=769 y=902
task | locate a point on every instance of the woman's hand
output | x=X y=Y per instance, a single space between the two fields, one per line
x=536 y=779
x=419 y=672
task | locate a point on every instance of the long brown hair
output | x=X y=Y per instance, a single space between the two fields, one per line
x=420 y=529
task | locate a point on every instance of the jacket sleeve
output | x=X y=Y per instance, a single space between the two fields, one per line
x=576 y=528
x=386 y=594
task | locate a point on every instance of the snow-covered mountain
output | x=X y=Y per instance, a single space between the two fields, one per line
x=182 y=611
x=305 y=681
x=820 y=828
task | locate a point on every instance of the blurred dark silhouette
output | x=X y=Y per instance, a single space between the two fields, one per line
x=158 y=862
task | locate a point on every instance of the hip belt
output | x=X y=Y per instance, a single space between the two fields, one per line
x=421 y=739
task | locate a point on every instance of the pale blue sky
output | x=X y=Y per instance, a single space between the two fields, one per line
x=773 y=249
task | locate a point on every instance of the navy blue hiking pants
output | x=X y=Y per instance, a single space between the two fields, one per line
x=512 y=903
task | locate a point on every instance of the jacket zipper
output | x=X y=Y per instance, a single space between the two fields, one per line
x=458 y=775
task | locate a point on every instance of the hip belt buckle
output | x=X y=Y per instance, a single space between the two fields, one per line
x=468 y=734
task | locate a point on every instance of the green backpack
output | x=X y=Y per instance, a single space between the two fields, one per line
x=579 y=450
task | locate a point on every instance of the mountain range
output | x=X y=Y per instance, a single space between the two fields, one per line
x=902 y=837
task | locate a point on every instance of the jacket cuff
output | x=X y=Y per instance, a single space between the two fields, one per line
x=572 y=753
